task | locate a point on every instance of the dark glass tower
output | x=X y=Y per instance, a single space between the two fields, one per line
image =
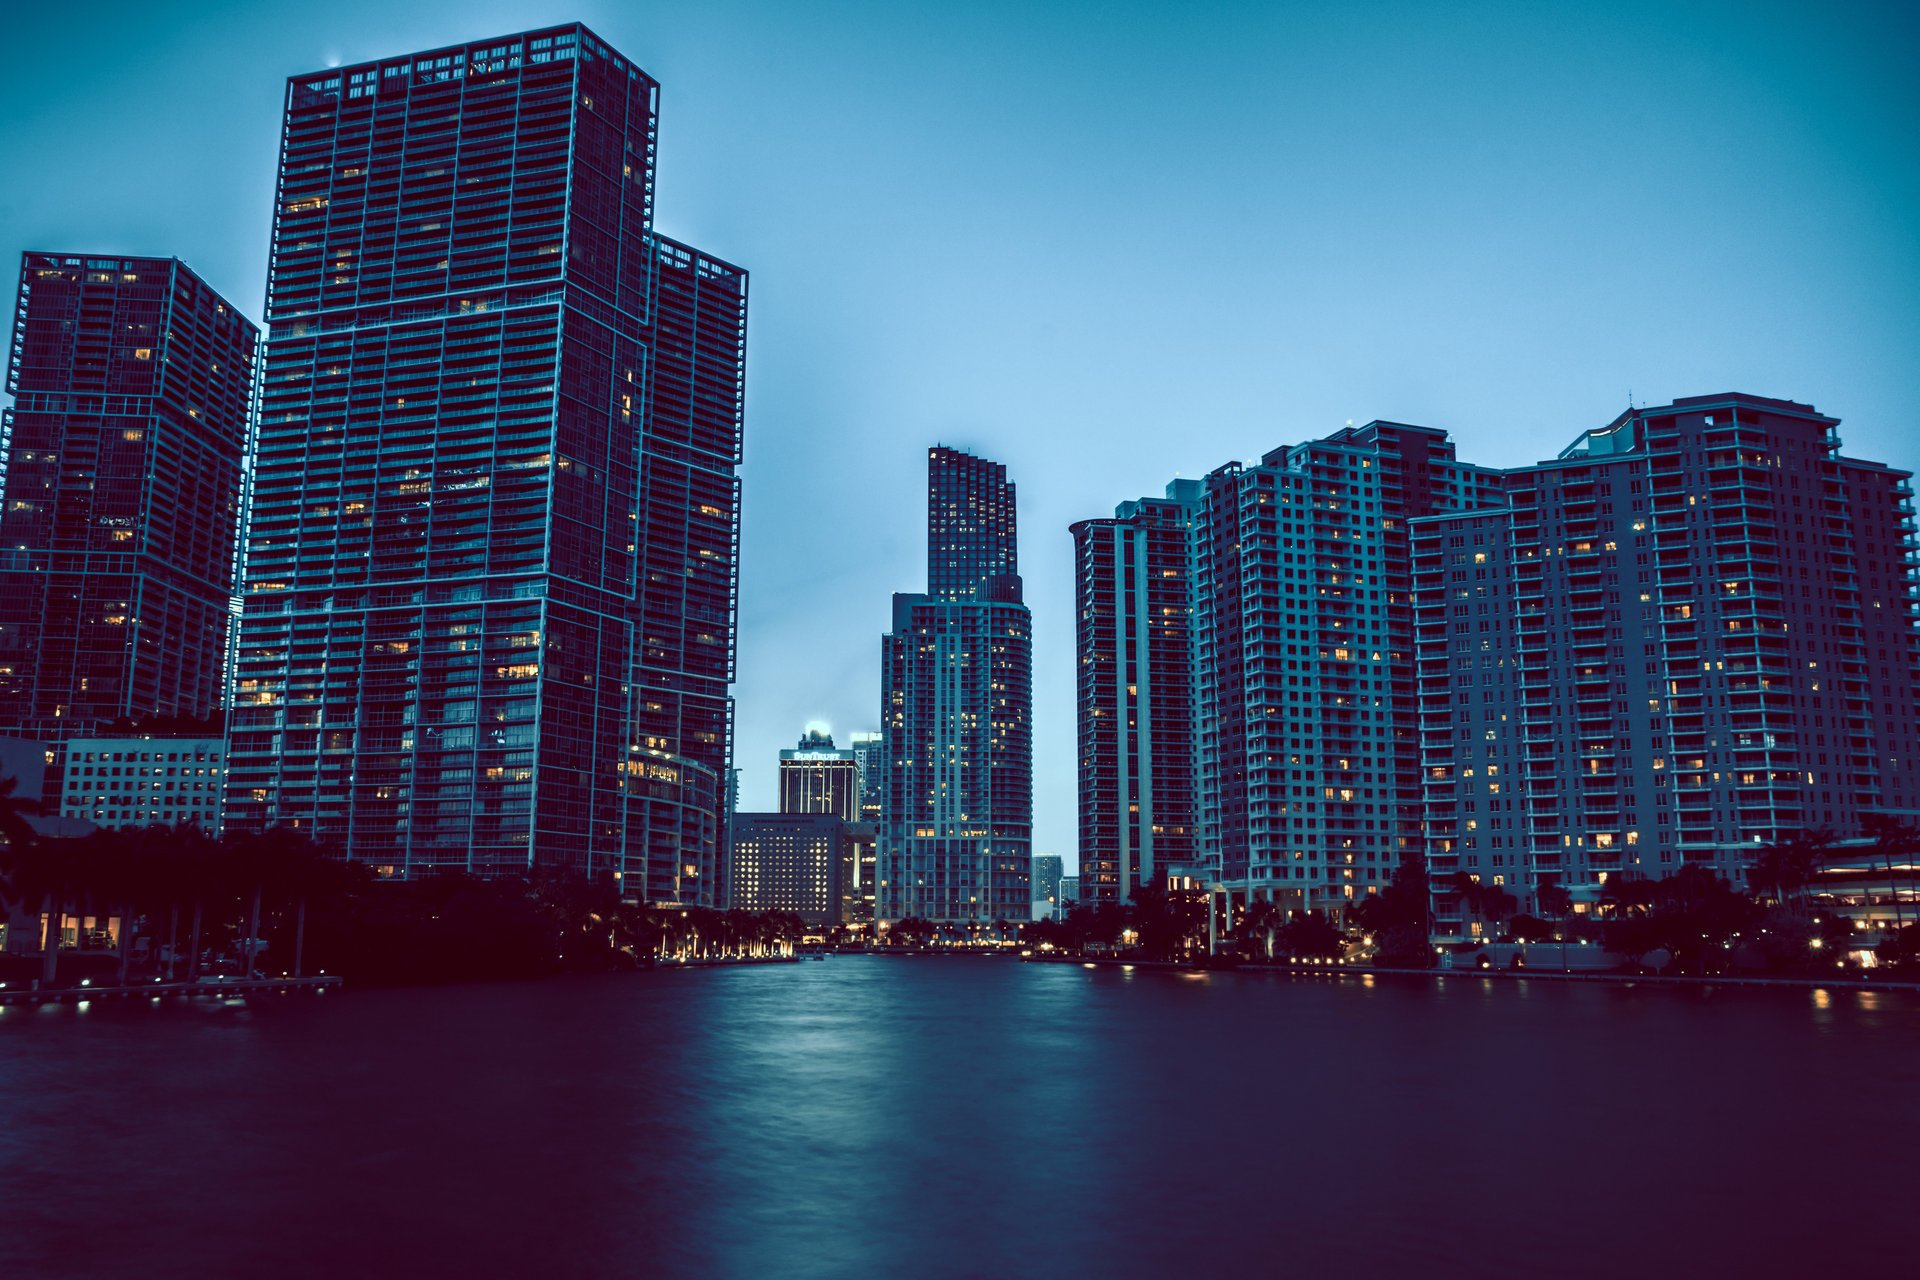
x=122 y=487
x=956 y=831
x=1139 y=777
x=490 y=576
x=971 y=544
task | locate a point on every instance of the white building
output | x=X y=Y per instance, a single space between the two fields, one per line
x=140 y=782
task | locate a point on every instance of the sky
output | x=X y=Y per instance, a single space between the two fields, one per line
x=1109 y=244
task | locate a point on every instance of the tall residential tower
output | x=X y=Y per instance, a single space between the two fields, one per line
x=490 y=578
x=1690 y=635
x=122 y=486
x=1139 y=777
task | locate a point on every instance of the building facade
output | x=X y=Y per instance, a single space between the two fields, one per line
x=817 y=777
x=120 y=495
x=869 y=754
x=1690 y=635
x=145 y=781
x=1308 y=725
x=490 y=577
x=1139 y=811
x=805 y=863
x=956 y=702
x=1047 y=869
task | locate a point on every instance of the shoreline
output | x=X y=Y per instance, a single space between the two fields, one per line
x=1523 y=975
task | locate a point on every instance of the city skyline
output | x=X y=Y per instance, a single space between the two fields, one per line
x=1517 y=297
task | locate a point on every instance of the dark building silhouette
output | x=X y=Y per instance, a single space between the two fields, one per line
x=490 y=580
x=1139 y=771
x=956 y=831
x=122 y=493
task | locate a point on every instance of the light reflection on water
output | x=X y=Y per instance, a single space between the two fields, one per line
x=949 y=1117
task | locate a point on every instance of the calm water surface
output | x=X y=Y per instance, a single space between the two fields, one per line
x=964 y=1117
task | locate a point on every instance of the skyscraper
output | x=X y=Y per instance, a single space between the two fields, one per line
x=956 y=705
x=1690 y=635
x=972 y=537
x=1308 y=728
x=122 y=490
x=817 y=777
x=490 y=579
x=1134 y=636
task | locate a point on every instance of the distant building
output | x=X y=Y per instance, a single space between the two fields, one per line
x=144 y=781
x=869 y=753
x=1069 y=891
x=817 y=777
x=808 y=864
x=1046 y=881
x=131 y=381
x=1137 y=681
x=957 y=697
x=859 y=889
x=1689 y=635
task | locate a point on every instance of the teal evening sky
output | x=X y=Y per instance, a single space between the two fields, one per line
x=1113 y=243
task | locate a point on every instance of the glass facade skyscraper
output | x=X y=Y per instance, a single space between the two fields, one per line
x=956 y=828
x=490 y=579
x=121 y=494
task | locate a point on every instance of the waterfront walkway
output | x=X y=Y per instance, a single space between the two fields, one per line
x=205 y=989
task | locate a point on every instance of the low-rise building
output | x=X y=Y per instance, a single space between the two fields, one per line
x=145 y=781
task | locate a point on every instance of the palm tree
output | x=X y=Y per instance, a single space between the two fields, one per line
x=49 y=875
x=1261 y=920
x=1785 y=867
x=1894 y=838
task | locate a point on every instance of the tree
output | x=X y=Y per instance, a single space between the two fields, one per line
x=1258 y=923
x=1311 y=936
x=1894 y=844
x=1397 y=918
x=1784 y=868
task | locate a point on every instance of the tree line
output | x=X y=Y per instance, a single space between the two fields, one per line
x=276 y=902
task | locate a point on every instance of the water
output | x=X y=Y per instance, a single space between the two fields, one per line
x=963 y=1117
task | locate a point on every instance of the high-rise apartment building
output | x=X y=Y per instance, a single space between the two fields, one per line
x=817 y=777
x=120 y=494
x=1689 y=635
x=1139 y=777
x=1308 y=746
x=490 y=578
x=956 y=704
